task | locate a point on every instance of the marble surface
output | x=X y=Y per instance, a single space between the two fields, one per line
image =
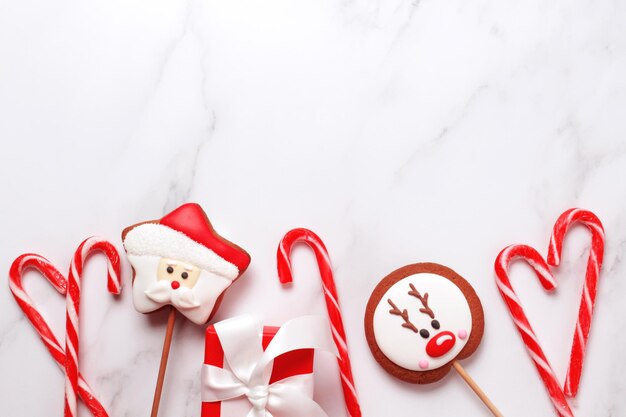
x=400 y=131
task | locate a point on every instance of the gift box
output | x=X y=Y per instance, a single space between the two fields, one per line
x=250 y=368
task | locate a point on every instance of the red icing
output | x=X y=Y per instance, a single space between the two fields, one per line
x=440 y=344
x=175 y=285
x=191 y=220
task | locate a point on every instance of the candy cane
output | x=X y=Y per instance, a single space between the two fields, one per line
x=89 y=246
x=594 y=263
x=536 y=261
x=58 y=281
x=332 y=305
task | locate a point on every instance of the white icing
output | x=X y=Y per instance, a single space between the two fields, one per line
x=182 y=298
x=162 y=241
x=406 y=348
x=205 y=292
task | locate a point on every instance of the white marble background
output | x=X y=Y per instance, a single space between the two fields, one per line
x=400 y=131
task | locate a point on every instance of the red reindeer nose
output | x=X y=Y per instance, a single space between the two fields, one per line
x=440 y=344
x=175 y=285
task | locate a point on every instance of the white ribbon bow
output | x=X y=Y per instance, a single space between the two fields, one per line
x=251 y=367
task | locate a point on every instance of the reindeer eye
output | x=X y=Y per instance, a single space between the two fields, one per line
x=435 y=324
x=184 y=275
x=170 y=269
x=424 y=333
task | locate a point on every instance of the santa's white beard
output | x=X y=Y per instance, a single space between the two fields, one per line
x=182 y=298
x=195 y=303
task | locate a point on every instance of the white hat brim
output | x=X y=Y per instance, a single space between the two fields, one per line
x=155 y=239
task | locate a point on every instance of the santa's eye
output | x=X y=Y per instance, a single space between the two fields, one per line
x=184 y=275
x=170 y=269
x=424 y=333
x=435 y=324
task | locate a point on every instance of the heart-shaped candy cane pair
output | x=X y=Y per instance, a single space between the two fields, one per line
x=60 y=283
x=585 y=313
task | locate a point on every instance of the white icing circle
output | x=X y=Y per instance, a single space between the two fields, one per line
x=403 y=346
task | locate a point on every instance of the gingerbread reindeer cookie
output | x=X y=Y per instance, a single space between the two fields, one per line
x=421 y=320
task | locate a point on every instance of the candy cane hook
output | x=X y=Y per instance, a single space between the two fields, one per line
x=88 y=247
x=58 y=281
x=536 y=261
x=585 y=311
x=332 y=305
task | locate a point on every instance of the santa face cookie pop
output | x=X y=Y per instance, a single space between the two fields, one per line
x=420 y=320
x=181 y=261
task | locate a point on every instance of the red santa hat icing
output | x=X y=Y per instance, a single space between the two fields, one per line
x=186 y=235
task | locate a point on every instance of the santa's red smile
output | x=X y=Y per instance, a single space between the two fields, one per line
x=441 y=344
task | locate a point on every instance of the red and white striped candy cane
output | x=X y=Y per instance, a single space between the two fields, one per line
x=332 y=304
x=539 y=265
x=594 y=263
x=89 y=246
x=58 y=281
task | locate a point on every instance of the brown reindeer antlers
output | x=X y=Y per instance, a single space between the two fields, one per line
x=404 y=314
x=423 y=299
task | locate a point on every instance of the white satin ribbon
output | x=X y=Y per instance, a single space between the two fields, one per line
x=249 y=368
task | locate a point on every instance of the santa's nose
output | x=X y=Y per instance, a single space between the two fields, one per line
x=440 y=344
x=175 y=285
